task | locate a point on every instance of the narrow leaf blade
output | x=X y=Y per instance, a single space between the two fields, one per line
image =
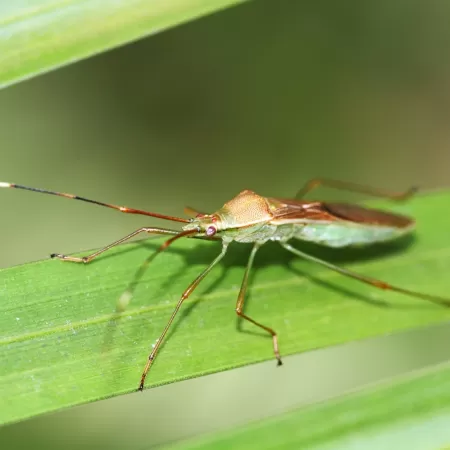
x=412 y=412
x=39 y=35
x=62 y=343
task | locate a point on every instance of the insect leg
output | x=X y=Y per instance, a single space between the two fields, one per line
x=127 y=295
x=240 y=304
x=89 y=258
x=354 y=187
x=365 y=279
x=185 y=295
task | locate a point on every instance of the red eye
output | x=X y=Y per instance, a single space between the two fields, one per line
x=211 y=231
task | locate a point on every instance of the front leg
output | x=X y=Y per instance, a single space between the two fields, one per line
x=89 y=258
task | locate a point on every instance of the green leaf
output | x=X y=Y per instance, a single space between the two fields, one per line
x=62 y=343
x=412 y=412
x=40 y=35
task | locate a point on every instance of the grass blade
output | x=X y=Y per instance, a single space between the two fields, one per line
x=62 y=344
x=411 y=413
x=40 y=35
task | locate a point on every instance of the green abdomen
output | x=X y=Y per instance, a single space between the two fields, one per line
x=343 y=235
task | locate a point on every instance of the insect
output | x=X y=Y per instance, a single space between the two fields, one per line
x=251 y=218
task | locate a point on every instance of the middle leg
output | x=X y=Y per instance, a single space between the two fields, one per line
x=240 y=305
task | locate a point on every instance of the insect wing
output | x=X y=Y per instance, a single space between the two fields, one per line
x=297 y=211
x=367 y=216
x=291 y=211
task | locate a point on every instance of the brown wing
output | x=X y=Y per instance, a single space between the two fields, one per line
x=286 y=210
x=369 y=216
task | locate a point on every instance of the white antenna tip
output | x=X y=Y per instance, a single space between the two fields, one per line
x=4 y=185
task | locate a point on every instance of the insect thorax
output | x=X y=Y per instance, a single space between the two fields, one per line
x=246 y=209
x=260 y=233
x=255 y=233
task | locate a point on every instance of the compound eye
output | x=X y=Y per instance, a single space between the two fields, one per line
x=211 y=230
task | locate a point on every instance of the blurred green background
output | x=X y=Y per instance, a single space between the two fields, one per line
x=261 y=96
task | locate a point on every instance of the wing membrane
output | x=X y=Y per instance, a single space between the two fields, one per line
x=291 y=211
x=369 y=216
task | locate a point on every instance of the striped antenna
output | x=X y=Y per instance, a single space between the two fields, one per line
x=123 y=209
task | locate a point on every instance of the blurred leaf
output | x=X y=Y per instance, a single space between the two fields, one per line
x=39 y=35
x=62 y=344
x=394 y=416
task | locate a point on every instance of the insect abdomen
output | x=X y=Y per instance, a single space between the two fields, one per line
x=340 y=234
